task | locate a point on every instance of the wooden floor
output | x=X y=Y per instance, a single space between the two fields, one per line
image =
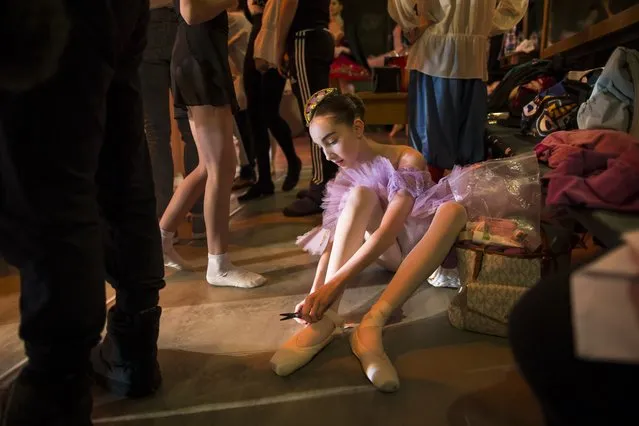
x=215 y=344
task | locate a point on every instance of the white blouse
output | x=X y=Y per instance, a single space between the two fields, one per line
x=455 y=44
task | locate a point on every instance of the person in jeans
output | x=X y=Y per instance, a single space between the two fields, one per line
x=77 y=206
x=447 y=97
x=298 y=29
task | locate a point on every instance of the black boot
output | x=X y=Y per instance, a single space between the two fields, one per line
x=34 y=400
x=126 y=361
x=308 y=204
x=293 y=175
x=257 y=191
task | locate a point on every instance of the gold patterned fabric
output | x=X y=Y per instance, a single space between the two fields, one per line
x=492 y=283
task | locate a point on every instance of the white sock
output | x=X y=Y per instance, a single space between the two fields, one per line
x=172 y=258
x=366 y=343
x=221 y=272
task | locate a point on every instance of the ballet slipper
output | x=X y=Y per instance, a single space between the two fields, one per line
x=375 y=363
x=293 y=356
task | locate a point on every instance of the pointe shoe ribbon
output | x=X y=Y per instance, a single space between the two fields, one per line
x=291 y=356
x=375 y=363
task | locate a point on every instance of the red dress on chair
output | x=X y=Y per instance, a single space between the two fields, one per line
x=344 y=67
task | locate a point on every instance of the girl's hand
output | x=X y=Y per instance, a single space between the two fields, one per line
x=298 y=308
x=317 y=303
x=284 y=66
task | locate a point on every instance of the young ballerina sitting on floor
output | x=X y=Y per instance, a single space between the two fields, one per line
x=381 y=207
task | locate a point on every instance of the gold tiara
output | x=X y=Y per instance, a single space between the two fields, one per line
x=315 y=100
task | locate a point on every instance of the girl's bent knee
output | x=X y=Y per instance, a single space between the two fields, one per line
x=362 y=195
x=453 y=209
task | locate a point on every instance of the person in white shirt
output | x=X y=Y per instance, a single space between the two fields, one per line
x=448 y=69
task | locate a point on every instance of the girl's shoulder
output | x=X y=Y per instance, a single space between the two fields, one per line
x=403 y=157
x=411 y=159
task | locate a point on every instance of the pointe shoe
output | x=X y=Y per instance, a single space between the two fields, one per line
x=376 y=365
x=291 y=357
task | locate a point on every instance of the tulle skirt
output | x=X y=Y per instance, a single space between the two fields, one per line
x=380 y=176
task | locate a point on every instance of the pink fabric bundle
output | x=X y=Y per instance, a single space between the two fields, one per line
x=556 y=147
x=597 y=180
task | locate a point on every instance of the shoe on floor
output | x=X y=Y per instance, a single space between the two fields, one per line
x=292 y=176
x=303 y=207
x=242 y=183
x=303 y=193
x=257 y=191
x=32 y=400
x=125 y=363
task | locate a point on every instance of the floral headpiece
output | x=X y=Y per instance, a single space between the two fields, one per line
x=315 y=100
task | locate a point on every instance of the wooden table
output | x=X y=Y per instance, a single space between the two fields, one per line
x=385 y=108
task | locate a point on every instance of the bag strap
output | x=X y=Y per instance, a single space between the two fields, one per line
x=477 y=265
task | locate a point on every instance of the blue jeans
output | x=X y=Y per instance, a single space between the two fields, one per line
x=447 y=119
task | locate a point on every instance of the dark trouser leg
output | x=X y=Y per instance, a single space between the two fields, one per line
x=156 y=81
x=126 y=362
x=62 y=295
x=572 y=392
x=157 y=123
x=273 y=88
x=474 y=108
x=311 y=54
x=246 y=136
x=416 y=112
x=253 y=85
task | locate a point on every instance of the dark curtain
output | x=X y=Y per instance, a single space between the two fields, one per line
x=366 y=28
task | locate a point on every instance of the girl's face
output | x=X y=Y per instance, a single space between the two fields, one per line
x=335 y=7
x=340 y=142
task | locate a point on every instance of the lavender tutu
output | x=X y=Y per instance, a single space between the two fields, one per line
x=380 y=176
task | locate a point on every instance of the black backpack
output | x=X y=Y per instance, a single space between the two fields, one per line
x=521 y=74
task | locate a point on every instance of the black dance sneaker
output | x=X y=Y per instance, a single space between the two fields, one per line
x=125 y=363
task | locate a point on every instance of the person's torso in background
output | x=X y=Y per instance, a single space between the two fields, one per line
x=455 y=45
x=201 y=41
x=219 y=24
x=239 y=34
x=310 y=14
x=469 y=17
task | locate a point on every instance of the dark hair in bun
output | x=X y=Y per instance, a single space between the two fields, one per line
x=345 y=108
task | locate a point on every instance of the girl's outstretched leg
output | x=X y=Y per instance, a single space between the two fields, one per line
x=361 y=213
x=366 y=340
